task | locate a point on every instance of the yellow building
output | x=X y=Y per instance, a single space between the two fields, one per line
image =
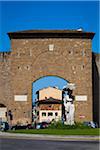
x=49 y=104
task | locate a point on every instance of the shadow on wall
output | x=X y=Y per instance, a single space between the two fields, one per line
x=95 y=88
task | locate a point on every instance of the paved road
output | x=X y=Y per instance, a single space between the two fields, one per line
x=32 y=144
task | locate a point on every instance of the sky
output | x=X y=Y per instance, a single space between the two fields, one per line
x=26 y=15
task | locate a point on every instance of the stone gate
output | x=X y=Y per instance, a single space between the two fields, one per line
x=38 y=53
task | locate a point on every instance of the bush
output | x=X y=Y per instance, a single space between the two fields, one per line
x=81 y=126
x=60 y=125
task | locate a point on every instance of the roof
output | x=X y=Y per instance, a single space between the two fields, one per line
x=51 y=34
x=49 y=101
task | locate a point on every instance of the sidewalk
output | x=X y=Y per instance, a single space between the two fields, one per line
x=49 y=137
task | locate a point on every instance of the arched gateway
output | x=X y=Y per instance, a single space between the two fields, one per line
x=37 y=53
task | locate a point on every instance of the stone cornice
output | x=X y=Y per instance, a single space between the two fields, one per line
x=28 y=34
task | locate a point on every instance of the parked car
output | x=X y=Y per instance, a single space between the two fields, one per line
x=17 y=127
x=45 y=124
x=91 y=124
x=30 y=126
x=42 y=125
x=4 y=126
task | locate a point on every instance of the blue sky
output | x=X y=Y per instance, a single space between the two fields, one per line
x=15 y=16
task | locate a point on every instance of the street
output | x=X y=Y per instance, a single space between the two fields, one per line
x=7 y=143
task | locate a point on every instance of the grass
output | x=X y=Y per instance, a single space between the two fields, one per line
x=60 y=131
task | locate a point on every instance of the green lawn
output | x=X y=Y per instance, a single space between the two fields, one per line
x=60 y=131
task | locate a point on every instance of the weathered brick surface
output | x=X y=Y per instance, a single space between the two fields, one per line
x=30 y=59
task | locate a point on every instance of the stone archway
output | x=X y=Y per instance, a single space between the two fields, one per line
x=38 y=53
x=49 y=80
x=52 y=88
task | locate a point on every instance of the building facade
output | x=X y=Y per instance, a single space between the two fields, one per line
x=49 y=104
x=39 y=53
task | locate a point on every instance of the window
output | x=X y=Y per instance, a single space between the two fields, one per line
x=70 y=52
x=82 y=67
x=43 y=114
x=50 y=114
x=27 y=67
x=19 y=67
x=56 y=114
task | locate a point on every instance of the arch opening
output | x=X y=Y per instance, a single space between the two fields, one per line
x=47 y=98
x=47 y=81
